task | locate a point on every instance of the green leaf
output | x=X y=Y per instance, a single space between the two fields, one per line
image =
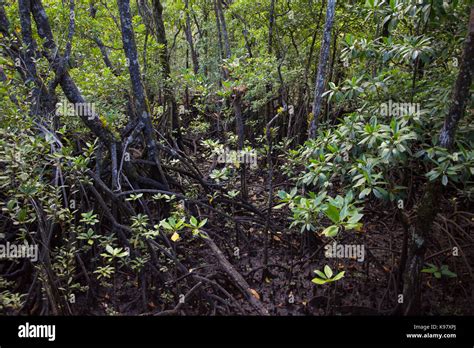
x=444 y=180
x=328 y=271
x=432 y=269
x=202 y=223
x=353 y=226
x=331 y=231
x=343 y=213
x=11 y=203
x=319 y=281
x=449 y=274
x=338 y=276
x=165 y=224
x=122 y=254
x=321 y=274
x=332 y=213
x=446 y=272
x=380 y=193
x=360 y=182
x=365 y=192
x=179 y=224
x=355 y=218
x=22 y=214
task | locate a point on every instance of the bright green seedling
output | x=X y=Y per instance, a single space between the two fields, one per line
x=89 y=218
x=134 y=197
x=220 y=175
x=196 y=226
x=89 y=236
x=104 y=272
x=114 y=253
x=173 y=225
x=167 y=198
x=233 y=193
x=327 y=276
x=439 y=272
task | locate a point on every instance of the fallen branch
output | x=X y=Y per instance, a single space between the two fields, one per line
x=236 y=277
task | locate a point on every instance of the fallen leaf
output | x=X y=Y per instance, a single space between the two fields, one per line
x=254 y=293
x=175 y=237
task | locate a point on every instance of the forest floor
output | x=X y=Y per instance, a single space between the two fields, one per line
x=368 y=288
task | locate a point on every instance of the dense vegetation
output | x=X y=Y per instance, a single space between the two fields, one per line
x=219 y=157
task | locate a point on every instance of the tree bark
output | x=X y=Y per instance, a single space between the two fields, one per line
x=270 y=26
x=225 y=34
x=153 y=19
x=141 y=103
x=170 y=99
x=240 y=130
x=219 y=32
x=189 y=38
x=43 y=100
x=323 y=59
x=268 y=86
x=300 y=128
x=221 y=44
x=461 y=89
